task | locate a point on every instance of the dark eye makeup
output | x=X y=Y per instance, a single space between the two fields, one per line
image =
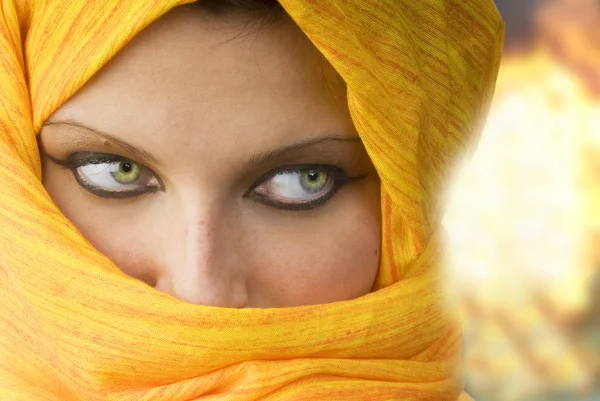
x=335 y=179
x=78 y=160
x=282 y=188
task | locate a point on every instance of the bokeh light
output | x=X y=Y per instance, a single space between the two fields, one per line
x=523 y=214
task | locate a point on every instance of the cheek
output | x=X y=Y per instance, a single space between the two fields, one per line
x=331 y=258
x=119 y=233
x=128 y=243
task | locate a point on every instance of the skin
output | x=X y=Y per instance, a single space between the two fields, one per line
x=210 y=112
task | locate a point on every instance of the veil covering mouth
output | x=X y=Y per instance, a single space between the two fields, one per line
x=420 y=76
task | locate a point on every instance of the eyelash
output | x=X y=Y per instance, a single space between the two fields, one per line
x=82 y=159
x=339 y=177
x=335 y=173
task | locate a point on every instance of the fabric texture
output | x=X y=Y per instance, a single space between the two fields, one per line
x=420 y=75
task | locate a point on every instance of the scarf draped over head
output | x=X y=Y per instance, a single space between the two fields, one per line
x=420 y=75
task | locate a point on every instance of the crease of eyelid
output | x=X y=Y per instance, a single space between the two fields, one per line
x=134 y=151
x=258 y=159
x=68 y=166
x=263 y=157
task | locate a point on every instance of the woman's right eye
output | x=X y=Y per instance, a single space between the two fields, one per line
x=122 y=177
x=111 y=176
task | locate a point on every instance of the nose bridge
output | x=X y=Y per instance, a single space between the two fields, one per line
x=199 y=269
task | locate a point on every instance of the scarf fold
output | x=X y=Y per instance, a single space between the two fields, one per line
x=420 y=75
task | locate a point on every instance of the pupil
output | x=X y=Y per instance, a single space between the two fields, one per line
x=313 y=175
x=126 y=167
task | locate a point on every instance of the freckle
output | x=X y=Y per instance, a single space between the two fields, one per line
x=376 y=251
x=348 y=332
x=106 y=143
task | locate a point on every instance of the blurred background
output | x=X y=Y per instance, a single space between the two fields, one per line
x=523 y=217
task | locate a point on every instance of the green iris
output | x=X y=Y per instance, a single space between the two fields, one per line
x=128 y=172
x=313 y=180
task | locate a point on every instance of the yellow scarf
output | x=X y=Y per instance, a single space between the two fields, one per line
x=420 y=75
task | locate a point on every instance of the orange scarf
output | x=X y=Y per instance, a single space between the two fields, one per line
x=420 y=75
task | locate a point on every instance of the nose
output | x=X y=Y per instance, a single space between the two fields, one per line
x=199 y=266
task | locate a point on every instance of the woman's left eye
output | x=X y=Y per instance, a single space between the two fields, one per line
x=302 y=188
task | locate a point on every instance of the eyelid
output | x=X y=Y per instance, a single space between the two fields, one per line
x=292 y=169
x=80 y=159
x=119 y=194
x=340 y=177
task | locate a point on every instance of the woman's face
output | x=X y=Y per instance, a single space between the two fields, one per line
x=222 y=168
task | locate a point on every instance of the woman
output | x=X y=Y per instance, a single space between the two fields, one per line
x=238 y=180
x=233 y=244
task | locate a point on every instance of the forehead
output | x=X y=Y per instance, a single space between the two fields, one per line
x=197 y=75
x=216 y=50
x=195 y=57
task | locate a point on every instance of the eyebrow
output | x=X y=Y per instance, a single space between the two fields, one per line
x=264 y=157
x=134 y=151
x=257 y=159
